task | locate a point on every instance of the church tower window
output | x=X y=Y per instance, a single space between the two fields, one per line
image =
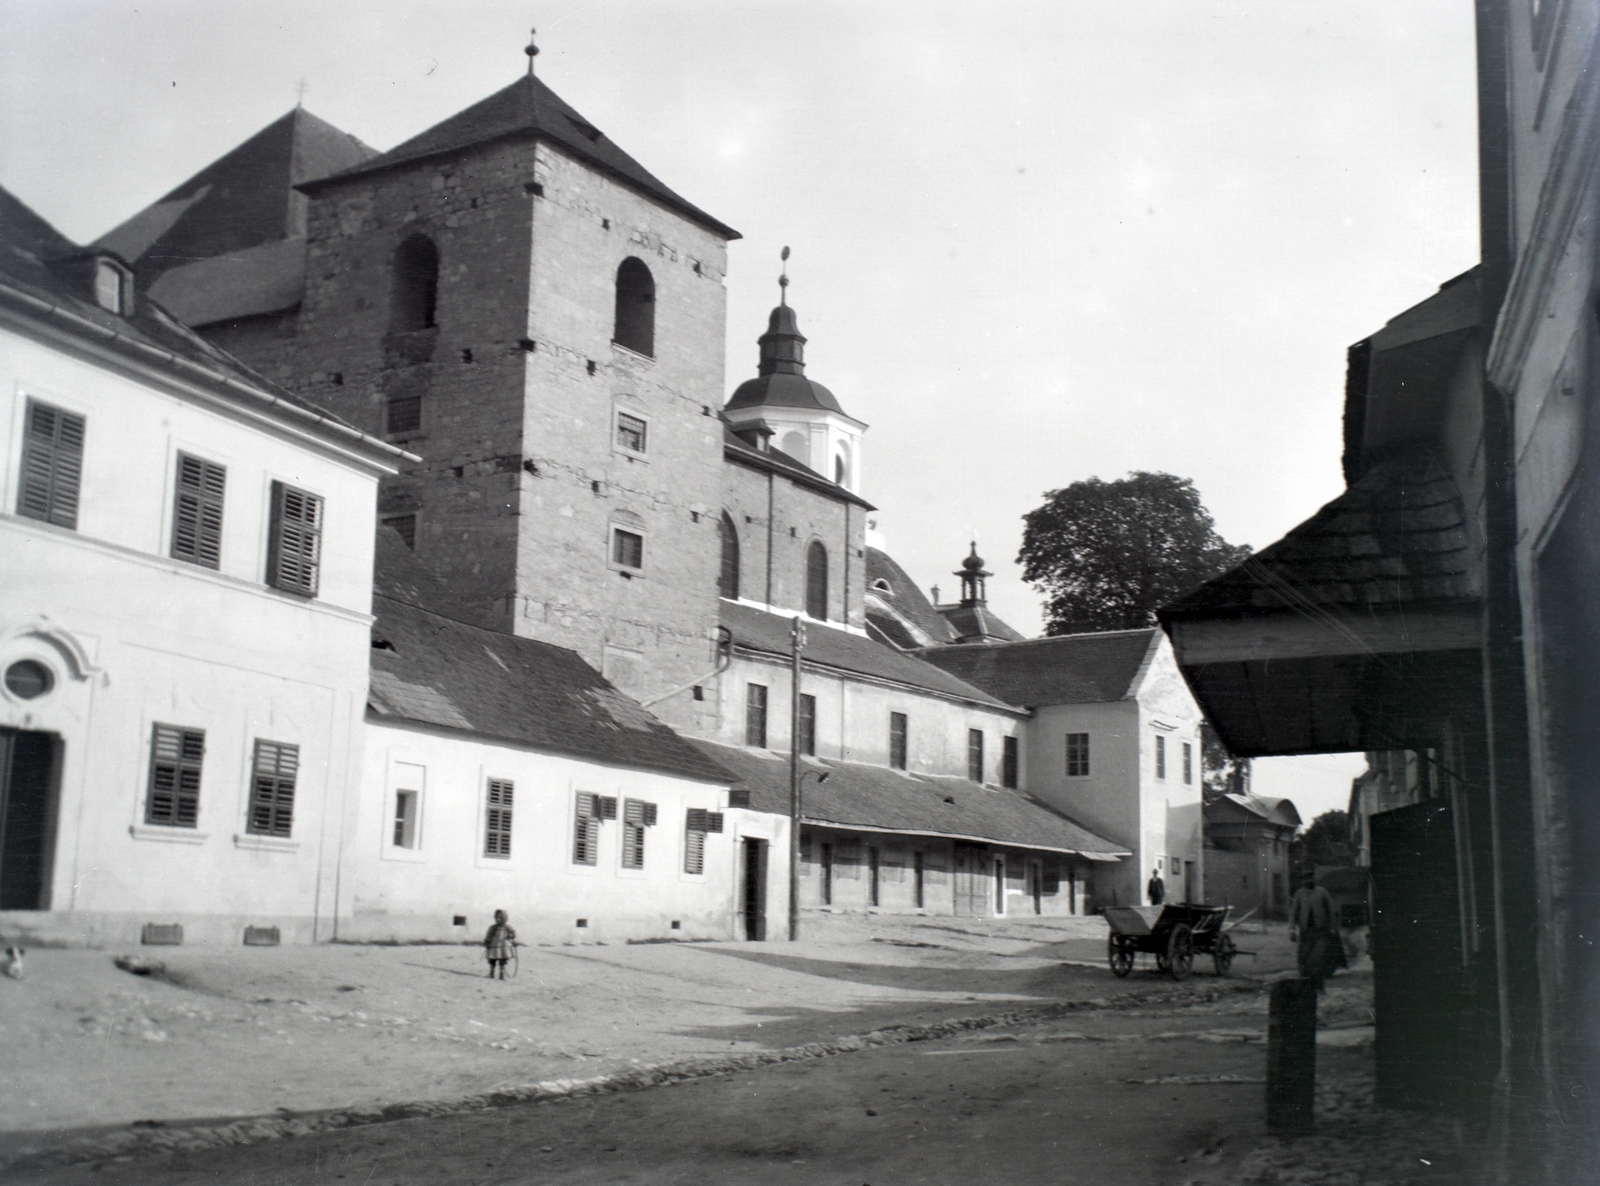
x=413 y=301
x=636 y=308
x=728 y=579
x=817 y=581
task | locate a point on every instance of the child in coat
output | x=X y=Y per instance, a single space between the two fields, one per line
x=499 y=944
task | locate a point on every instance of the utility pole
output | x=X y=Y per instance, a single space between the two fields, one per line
x=797 y=640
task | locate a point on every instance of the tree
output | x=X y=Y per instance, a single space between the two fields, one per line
x=1324 y=841
x=1107 y=555
x=1220 y=772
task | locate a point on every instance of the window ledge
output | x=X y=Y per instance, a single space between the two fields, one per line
x=630 y=352
x=395 y=853
x=170 y=835
x=264 y=843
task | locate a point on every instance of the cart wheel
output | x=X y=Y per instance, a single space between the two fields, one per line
x=1180 y=952
x=1222 y=954
x=1121 y=952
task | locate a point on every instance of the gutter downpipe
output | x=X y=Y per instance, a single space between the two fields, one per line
x=797 y=635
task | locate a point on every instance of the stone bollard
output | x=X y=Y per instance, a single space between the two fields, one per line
x=1291 y=1056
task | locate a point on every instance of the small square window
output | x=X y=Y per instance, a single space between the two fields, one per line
x=631 y=432
x=403 y=415
x=627 y=548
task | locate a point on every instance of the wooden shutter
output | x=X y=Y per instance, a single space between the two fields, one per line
x=272 y=789
x=697 y=819
x=294 y=551
x=713 y=821
x=197 y=511
x=607 y=807
x=175 y=760
x=633 y=826
x=586 y=829
x=497 y=819
x=52 y=465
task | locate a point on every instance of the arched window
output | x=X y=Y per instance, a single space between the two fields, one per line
x=841 y=465
x=416 y=285
x=728 y=580
x=817 y=581
x=636 y=308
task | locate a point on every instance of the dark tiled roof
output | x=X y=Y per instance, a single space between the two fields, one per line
x=529 y=108
x=1232 y=808
x=269 y=278
x=41 y=264
x=240 y=200
x=1398 y=536
x=1061 y=669
x=826 y=646
x=906 y=600
x=779 y=462
x=857 y=795
x=783 y=391
x=977 y=623
x=437 y=671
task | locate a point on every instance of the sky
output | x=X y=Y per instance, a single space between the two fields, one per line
x=1032 y=242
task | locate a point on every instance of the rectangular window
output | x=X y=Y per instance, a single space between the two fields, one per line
x=586 y=829
x=405 y=819
x=1188 y=764
x=697 y=823
x=875 y=877
x=1077 y=755
x=918 y=872
x=497 y=818
x=974 y=755
x=403 y=415
x=897 y=740
x=197 y=511
x=294 y=548
x=406 y=525
x=1008 y=763
x=627 y=548
x=1161 y=756
x=272 y=788
x=175 y=758
x=52 y=465
x=755 y=715
x=631 y=432
x=636 y=817
x=808 y=724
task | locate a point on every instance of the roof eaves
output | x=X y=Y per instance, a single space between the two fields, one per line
x=980 y=697
x=737 y=450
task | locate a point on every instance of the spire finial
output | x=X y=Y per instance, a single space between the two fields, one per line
x=531 y=49
x=783 y=278
x=300 y=93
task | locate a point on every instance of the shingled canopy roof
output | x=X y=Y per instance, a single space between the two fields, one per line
x=875 y=798
x=434 y=670
x=529 y=108
x=1061 y=669
x=826 y=646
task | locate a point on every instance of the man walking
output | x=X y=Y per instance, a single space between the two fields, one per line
x=1155 y=889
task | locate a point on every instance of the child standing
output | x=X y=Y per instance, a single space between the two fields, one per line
x=498 y=944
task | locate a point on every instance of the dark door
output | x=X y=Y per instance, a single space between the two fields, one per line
x=27 y=817
x=1424 y=1044
x=874 y=870
x=971 y=881
x=827 y=874
x=1036 y=885
x=754 y=906
x=917 y=872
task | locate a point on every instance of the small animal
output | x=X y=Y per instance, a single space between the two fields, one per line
x=13 y=965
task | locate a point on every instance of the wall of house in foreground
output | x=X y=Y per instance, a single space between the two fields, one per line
x=438 y=883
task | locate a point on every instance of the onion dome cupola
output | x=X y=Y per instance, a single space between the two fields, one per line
x=804 y=417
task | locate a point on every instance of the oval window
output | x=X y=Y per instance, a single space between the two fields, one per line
x=28 y=679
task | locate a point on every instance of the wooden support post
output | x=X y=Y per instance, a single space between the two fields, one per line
x=1291 y=1056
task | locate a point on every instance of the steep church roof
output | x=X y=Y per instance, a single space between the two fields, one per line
x=241 y=200
x=1061 y=669
x=529 y=108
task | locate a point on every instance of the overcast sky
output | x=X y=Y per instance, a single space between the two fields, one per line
x=1033 y=242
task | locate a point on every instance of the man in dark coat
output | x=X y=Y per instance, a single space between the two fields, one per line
x=1315 y=929
x=1155 y=889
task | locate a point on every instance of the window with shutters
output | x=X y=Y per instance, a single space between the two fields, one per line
x=897 y=740
x=1161 y=756
x=697 y=824
x=974 y=755
x=497 y=818
x=591 y=809
x=52 y=464
x=294 y=548
x=197 y=511
x=1188 y=764
x=175 y=758
x=1009 y=763
x=272 y=788
x=1077 y=755
x=755 y=715
x=817 y=581
x=808 y=724
x=637 y=815
x=728 y=578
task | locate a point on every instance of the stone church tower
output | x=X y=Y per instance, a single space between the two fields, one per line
x=514 y=299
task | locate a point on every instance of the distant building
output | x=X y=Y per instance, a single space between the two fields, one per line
x=1247 y=854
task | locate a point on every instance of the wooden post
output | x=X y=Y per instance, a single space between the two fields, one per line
x=1291 y=1056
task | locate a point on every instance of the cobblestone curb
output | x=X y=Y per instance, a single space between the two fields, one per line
x=144 y=1139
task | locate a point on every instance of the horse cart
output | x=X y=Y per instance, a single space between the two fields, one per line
x=1173 y=933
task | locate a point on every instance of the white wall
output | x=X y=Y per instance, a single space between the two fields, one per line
x=390 y=892
x=134 y=638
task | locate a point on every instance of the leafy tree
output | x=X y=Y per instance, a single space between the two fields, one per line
x=1324 y=841
x=1220 y=772
x=1107 y=555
